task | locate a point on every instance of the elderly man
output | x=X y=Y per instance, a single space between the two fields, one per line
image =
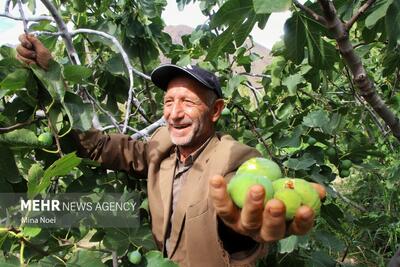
x=187 y=166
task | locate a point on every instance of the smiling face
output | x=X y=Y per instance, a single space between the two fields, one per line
x=190 y=112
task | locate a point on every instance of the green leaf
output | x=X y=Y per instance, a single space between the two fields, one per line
x=380 y=9
x=14 y=81
x=295 y=38
x=282 y=139
x=20 y=138
x=277 y=66
x=80 y=113
x=392 y=20
x=317 y=119
x=115 y=65
x=269 y=6
x=86 y=258
x=230 y=12
x=9 y=171
x=155 y=259
x=233 y=84
x=76 y=73
x=117 y=239
x=31 y=231
x=330 y=241
x=302 y=163
x=288 y=244
x=292 y=81
x=51 y=79
x=60 y=167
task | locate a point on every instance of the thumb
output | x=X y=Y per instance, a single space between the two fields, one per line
x=35 y=41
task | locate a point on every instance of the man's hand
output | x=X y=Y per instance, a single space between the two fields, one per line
x=32 y=51
x=263 y=224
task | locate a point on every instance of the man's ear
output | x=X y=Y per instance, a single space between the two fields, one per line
x=217 y=109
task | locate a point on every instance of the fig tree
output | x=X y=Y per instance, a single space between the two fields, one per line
x=239 y=186
x=261 y=167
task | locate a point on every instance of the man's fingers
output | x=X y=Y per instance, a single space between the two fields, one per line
x=251 y=217
x=303 y=221
x=274 y=225
x=24 y=41
x=320 y=189
x=223 y=204
x=26 y=53
x=25 y=60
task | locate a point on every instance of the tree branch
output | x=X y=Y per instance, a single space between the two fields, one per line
x=24 y=21
x=7 y=6
x=353 y=61
x=28 y=18
x=149 y=129
x=310 y=12
x=73 y=55
x=131 y=70
x=254 y=130
x=360 y=12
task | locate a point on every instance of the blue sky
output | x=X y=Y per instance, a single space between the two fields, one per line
x=191 y=16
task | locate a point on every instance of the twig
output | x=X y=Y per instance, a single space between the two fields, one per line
x=73 y=55
x=361 y=11
x=28 y=18
x=348 y=201
x=149 y=129
x=254 y=91
x=353 y=61
x=131 y=70
x=17 y=126
x=254 y=75
x=24 y=21
x=310 y=12
x=114 y=259
x=7 y=6
x=254 y=130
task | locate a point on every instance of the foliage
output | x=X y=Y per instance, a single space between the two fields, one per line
x=304 y=112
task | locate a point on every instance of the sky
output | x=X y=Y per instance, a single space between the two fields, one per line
x=191 y=16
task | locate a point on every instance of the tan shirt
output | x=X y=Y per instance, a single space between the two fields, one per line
x=180 y=177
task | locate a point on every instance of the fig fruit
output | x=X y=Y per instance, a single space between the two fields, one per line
x=308 y=194
x=291 y=199
x=344 y=173
x=240 y=184
x=46 y=139
x=135 y=257
x=346 y=164
x=261 y=167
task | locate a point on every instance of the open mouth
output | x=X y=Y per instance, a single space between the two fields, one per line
x=181 y=126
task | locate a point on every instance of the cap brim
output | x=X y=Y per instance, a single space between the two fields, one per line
x=162 y=75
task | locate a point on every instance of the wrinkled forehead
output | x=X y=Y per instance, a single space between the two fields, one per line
x=184 y=85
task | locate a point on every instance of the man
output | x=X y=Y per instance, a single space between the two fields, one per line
x=187 y=166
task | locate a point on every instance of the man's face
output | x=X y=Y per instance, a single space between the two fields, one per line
x=189 y=118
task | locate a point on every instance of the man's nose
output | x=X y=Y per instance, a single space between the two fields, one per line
x=177 y=111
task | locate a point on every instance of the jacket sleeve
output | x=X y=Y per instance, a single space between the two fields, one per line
x=113 y=151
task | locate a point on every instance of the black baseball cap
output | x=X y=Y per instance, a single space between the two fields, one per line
x=162 y=75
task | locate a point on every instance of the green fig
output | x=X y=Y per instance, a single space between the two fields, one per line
x=135 y=257
x=46 y=139
x=261 y=167
x=240 y=184
x=344 y=173
x=291 y=199
x=346 y=164
x=309 y=195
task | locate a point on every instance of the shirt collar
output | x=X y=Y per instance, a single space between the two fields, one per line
x=192 y=157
